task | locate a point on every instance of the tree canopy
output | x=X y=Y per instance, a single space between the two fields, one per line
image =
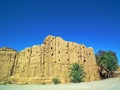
x=107 y=61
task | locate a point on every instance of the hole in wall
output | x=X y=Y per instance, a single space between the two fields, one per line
x=59 y=52
x=52 y=54
x=89 y=53
x=67 y=59
x=84 y=61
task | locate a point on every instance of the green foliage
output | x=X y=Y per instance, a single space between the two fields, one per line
x=5 y=83
x=107 y=60
x=76 y=73
x=56 y=80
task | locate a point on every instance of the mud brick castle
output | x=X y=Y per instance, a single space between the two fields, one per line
x=41 y=63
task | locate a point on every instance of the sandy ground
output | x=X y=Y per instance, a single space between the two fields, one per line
x=108 y=84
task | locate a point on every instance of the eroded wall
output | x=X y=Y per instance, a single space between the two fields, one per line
x=42 y=63
x=7 y=60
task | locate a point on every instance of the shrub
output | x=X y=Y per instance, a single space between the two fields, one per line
x=56 y=80
x=5 y=83
x=76 y=73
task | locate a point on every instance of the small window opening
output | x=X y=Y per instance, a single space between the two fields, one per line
x=52 y=54
x=84 y=61
x=67 y=59
x=59 y=52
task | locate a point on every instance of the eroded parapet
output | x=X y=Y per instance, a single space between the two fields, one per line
x=41 y=63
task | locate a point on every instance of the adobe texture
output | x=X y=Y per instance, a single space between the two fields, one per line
x=7 y=60
x=52 y=59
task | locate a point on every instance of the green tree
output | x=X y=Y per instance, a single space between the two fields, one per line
x=107 y=62
x=76 y=73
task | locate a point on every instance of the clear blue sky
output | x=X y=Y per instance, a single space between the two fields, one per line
x=95 y=23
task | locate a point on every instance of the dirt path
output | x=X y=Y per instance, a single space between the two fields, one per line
x=108 y=84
